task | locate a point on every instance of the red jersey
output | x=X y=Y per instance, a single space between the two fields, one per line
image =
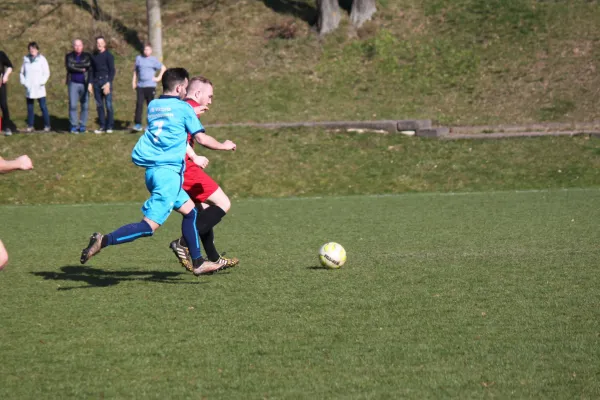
x=198 y=185
x=188 y=162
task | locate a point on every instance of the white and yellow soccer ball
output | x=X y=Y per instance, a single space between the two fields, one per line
x=332 y=255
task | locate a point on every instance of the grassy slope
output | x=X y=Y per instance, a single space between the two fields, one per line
x=466 y=296
x=458 y=62
x=75 y=169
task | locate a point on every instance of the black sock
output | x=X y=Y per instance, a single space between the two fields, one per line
x=104 y=242
x=207 y=238
x=198 y=262
x=208 y=242
x=208 y=218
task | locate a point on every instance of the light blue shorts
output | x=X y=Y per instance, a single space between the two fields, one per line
x=166 y=194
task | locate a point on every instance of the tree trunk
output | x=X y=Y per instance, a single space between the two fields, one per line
x=154 y=27
x=329 y=16
x=362 y=11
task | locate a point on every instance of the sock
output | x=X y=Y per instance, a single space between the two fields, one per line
x=197 y=262
x=127 y=233
x=208 y=242
x=190 y=234
x=208 y=219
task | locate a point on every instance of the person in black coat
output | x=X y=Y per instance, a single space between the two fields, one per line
x=6 y=68
x=101 y=85
x=78 y=64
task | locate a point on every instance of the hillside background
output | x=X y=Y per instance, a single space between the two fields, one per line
x=458 y=62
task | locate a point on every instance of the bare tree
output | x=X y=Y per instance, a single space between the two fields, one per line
x=329 y=16
x=154 y=27
x=362 y=11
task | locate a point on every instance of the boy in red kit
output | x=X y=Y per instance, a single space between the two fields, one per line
x=211 y=202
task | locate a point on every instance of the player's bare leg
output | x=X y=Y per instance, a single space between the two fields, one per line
x=3 y=256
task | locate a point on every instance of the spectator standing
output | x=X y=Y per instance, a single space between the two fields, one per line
x=101 y=85
x=6 y=68
x=78 y=64
x=34 y=75
x=144 y=82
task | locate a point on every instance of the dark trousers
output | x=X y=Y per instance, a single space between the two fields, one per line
x=31 y=114
x=104 y=106
x=144 y=95
x=6 y=121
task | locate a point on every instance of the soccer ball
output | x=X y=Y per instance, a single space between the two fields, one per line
x=332 y=255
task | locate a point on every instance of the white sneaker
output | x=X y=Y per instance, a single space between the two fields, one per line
x=109 y=131
x=207 y=267
x=7 y=132
x=29 y=129
x=99 y=131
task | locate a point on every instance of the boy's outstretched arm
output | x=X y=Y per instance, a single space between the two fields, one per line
x=23 y=162
x=212 y=143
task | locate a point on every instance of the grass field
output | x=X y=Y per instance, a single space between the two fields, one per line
x=459 y=62
x=472 y=265
x=303 y=162
x=473 y=295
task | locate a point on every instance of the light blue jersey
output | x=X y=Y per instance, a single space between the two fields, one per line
x=165 y=141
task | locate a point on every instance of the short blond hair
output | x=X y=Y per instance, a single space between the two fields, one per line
x=201 y=79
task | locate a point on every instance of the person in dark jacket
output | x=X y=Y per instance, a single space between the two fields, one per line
x=101 y=85
x=78 y=64
x=6 y=68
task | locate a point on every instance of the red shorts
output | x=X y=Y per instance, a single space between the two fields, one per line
x=197 y=184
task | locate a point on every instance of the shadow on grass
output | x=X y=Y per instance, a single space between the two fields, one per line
x=37 y=19
x=95 y=277
x=302 y=9
x=130 y=35
x=317 y=267
x=299 y=9
x=63 y=125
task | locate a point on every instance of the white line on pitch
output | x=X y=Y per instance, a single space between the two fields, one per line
x=268 y=199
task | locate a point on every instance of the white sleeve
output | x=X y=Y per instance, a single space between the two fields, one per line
x=45 y=71
x=22 y=77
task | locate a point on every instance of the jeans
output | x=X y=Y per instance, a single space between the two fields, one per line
x=78 y=94
x=144 y=95
x=6 y=122
x=43 y=107
x=106 y=116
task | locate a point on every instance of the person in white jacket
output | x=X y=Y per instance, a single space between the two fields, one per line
x=34 y=75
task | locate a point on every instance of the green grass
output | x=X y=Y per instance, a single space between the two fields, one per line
x=91 y=169
x=490 y=291
x=474 y=295
x=457 y=62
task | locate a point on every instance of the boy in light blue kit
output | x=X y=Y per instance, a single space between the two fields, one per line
x=161 y=150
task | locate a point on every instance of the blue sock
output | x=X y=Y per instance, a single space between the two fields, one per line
x=190 y=234
x=128 y=233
